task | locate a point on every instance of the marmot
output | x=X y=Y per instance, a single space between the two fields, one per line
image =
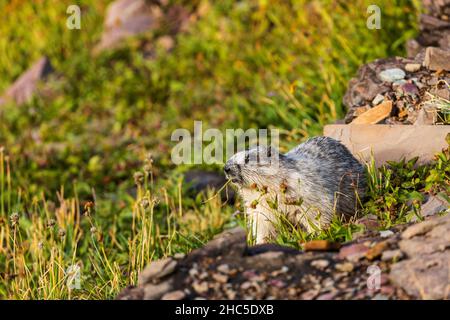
x=309 y=185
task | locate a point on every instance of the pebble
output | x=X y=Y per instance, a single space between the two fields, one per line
x=224 y=268
x=320 y=264
x=391 y=75
x=376 y=250
x=390 y=255
x=386 y=233
x=344 y=267
x=353 y=252
x=220 y=277
x=246 y=285
x=320 y=245
x=409 y=88
x=379 y=98
x=200 y=287
x=327 y=296
x=174 y=295
x=412 y=67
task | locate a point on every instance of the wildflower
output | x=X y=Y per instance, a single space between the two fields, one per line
x=14 y=218
x=62 y=233
x=51 y=223
x=93 y=229
x=145 y=203
x=138 y=178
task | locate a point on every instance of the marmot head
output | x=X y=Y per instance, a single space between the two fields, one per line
x=258 y=165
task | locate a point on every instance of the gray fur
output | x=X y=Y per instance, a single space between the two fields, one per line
x=309 y=185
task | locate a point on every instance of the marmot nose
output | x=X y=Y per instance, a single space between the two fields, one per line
x=227 y=169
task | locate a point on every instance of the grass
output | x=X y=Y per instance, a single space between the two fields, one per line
x=69 y=194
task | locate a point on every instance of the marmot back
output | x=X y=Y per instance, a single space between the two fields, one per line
x=310 y=184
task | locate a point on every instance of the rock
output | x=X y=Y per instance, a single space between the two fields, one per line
x=201 y=180
x=422 y=281
x=23 y=89
x=379 y=98
x=156 y=291
x=230 y=242
x=125 y=18
x=370 y=222
x=360 y=110
x=412 y=67
x=443 y=93
x=174 y=295
x=420 y=228
x=390 y=143
x=320 y=245
x=344 y=267
x=390 y=255
x=409 y=89
x=425 y=273
x=309 y=295
x=433 y=206
x=376 y=250
x=320 y=264
x=200 y=287
x=413 y=48
x=386 y=233
x=424 y=246
x=221 y=278
x=327 y=296
x=353 y=252
x=224 y=268
x=375 y=115
x=425 y=118
x=157 y=270
x=166 y=42
x=366 y=86
x=437 y=59
x=391 y=75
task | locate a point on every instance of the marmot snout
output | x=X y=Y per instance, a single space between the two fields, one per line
x=309 y=185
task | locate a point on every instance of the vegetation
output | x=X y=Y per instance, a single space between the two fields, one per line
x=85 y=173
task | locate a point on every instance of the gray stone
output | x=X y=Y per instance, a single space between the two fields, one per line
x=157 y=270
x=391 y=75
x=230 y=242
x=202 y=180
x=156 y=291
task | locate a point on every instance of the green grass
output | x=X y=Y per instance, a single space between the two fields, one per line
x=69 y=157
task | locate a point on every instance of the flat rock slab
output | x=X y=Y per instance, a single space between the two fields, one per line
x=390 y=142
